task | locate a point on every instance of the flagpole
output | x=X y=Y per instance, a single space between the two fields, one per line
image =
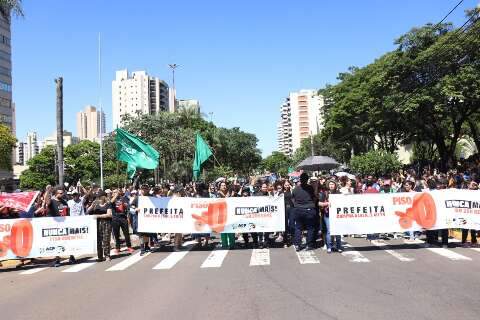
x=100 y=106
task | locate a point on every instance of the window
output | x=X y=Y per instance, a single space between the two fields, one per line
x=5 y=55
x=5 y=86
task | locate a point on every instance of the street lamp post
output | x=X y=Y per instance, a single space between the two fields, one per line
x=173 y=66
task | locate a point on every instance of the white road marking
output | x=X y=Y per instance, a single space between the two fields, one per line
x=170 y=261
x=81 y=266
x=307 y=257
x=215 y=259
x=34 y=270
x=396 y=254
x=449 y=254
x=128 y=262
x=476 y=249
x=445 y=252
x=260 y=257
x=353 y=255
x=173 y=258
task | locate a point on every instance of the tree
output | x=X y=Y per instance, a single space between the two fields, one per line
x=9 y=6
x=7 y=143
x=277 y=162
x=375 y=162
x=41 y=171
x=82 y=162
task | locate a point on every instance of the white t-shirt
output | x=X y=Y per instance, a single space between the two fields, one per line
x=76 y=208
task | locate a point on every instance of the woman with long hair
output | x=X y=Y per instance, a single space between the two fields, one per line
x=101 y=210
x=324 y=204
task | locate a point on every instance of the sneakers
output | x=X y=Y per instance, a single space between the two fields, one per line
x=116 y=252
x=56 y=264
x=72 y=260
x=329 y=250
x=466 y=245
x=309 y=248
x=339 y=250
x=298 y=248
x=130 y=250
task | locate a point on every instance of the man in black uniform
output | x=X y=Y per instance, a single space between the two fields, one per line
x=58 y=207
x=304 y=201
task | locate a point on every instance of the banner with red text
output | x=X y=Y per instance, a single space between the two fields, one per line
x=47 y=237
x=204 y=215
x=400 y=212
x=21 y=201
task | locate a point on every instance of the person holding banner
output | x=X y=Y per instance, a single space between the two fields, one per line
x=227 y=239
x=119 y=220
x=325 y=206
x=263 y=237
x=58 y=207
x=304 y=201
x=473 y=233
x=101 y=210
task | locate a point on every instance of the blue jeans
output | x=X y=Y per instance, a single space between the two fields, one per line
x=328 y=238
x=134 y=221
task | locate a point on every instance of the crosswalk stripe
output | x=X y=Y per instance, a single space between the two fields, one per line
x=396 y=254
x=449 y=254
x=307 y=257
x=81 y=266
x=173 y=258
x=215 y=259
x=34 y=270
x=452 y=255
x=260 y=257
x=170 y=261
x=476 y=249
x=127 y=262
x=353 y=255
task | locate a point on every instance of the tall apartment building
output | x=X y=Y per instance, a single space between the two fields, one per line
x=90 y=123
x=137 y=94
x=6 y=115
x=27 y=149
x=284 y=129
x=301 y=116
x=68 y=139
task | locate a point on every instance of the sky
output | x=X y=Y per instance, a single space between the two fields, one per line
x=239 y=58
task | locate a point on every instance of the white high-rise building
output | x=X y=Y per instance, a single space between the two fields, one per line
x=90 y=123
x=301 y=117
x=284 y=129
x=27 y=149
x=136 y=95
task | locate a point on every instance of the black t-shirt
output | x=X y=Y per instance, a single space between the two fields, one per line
x=120 y=208
x=58 y=208
x=287 y=196
x=99 y=209
x=304 y=196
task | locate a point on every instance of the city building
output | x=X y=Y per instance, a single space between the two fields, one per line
x=90 y=123
x=19 y=153
x=68 y=139
x=189 y=104
x=284 y=129
x=172 y=100
x=301 y=117
x=31 y=148
x=137 y=94
x=6 y=114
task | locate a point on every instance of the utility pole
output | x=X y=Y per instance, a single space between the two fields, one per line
x=59 y=82
x=173 y=66
x=101 y=108
x=311 y=144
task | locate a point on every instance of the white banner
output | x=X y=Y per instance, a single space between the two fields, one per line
x=47 y=237
x=204 y=215
x=400 y=212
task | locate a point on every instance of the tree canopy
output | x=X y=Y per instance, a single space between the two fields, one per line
x=7 y=143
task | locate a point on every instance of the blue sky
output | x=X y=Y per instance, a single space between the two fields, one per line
x=239 y=58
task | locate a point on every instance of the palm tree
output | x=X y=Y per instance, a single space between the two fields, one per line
x=11 y=6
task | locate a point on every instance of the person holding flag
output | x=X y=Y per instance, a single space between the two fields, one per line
x=202 y=153
x=137 y=154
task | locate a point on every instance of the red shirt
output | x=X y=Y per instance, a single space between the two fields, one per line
x=371 y=190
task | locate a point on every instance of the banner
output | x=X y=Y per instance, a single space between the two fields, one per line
x=47 y=237
x=204 y=215
x=400 y=212
x=21 y=201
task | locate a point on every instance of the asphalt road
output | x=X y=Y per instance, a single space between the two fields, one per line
x=402 y=281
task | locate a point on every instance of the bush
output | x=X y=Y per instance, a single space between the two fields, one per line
x=375 y=162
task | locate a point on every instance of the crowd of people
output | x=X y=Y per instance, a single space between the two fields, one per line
x=306 y=209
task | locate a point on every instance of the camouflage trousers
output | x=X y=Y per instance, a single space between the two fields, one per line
x=104 y=233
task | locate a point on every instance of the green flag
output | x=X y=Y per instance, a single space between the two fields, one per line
x=202 y=153
x=135 y=152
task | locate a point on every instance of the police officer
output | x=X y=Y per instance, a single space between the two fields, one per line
x=304 y=201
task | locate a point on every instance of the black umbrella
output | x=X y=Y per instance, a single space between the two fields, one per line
x=318 y=163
